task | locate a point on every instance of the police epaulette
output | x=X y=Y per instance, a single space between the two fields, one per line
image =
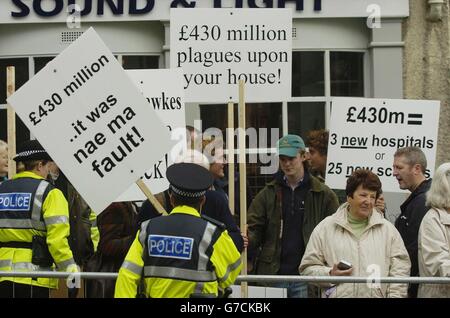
x=214 y=221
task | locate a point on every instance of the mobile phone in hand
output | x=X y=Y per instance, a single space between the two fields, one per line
x=344 y=265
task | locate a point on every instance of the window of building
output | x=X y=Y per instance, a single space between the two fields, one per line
x=316 y=77
x=307 y=73
x=305 y=116
x=346 y=74
x=134 y=62
x=40 y=62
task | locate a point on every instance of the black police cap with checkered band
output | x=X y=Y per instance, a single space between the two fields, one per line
x=31 y=150
x=189 y=179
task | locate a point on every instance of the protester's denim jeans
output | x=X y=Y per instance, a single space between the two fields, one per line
x=294 y=289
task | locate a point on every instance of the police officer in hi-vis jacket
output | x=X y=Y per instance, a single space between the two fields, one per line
x=34 y=226
x=183 y=254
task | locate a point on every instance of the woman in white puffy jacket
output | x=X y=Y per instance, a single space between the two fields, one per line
x=358 y=234
x=434 y=235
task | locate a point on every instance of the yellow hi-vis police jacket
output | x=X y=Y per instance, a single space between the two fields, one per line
x=49 y=218
x=178 y=255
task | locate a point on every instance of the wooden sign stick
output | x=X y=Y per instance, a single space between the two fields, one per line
x=151 y=197
x=242 y=181
x=11 y=120
x=230 y=146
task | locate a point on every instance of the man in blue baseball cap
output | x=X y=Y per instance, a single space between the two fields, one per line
x=290 y=145
x=283 y=215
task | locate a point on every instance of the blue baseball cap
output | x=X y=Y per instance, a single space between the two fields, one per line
x=290 y=145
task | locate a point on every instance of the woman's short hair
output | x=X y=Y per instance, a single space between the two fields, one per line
x=439 y=194
x=366 y=178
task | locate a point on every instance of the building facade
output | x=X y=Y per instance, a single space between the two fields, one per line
x=426 y=62
x=361 y=48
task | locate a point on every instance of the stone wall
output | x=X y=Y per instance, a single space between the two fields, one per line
x=426 y=65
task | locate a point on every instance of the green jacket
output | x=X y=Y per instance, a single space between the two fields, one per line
x=264 y=221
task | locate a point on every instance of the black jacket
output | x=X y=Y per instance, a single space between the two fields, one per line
x=408 y=224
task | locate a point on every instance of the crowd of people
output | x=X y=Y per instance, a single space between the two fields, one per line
x=296 y=225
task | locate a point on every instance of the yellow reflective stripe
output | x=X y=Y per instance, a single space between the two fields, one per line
x=38 y=225
x=22 y=266
x=37 y=203
x=57 y=220
x=135 y=252
x=128 y=281
x=230 y=268
x=179 y=273
x=143 y=233
x=203 y=259
x=199 y=287
x=22 y=224
x=132 y=267
x=63 y=265
x=25 y=265
x=14 y=223
x=6 y=263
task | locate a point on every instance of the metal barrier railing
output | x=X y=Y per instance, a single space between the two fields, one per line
x=52 y=274
x=251 y=278
x=247 y=278
x=342 y=279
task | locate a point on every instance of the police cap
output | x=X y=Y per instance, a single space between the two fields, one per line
x=189 y=179
x=31 y=150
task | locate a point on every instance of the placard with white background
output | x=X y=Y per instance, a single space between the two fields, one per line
x=365 y=133
x=218 y=47
x=93 y=121
x=163 y=90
